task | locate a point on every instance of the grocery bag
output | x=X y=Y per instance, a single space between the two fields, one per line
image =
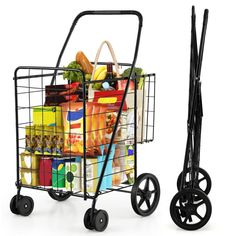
x=91 y=90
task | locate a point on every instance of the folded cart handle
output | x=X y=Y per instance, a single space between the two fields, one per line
x=101 y=12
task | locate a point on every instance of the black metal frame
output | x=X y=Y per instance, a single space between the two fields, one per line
x=56 y=71
x=195 y=111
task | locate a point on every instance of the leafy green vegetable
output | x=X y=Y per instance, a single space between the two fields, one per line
x=75 y=76
x=138 y=72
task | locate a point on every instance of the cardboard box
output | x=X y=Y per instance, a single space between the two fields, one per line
x=29 y=177
x=29 y=161
x=47 y=115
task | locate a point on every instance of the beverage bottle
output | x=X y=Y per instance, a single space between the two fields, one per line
x=109 y=85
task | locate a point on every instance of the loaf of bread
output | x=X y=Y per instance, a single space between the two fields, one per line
x=81 y=59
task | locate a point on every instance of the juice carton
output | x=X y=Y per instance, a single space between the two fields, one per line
x=73 y=174
x=58 y=173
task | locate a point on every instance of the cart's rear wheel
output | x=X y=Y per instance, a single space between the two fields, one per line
x=25 y=206
x=190 y=209
x=100 y=220
x=13 y=205
x=203 y=182
x=59 y=196
x=87 y=219
x=145 y=194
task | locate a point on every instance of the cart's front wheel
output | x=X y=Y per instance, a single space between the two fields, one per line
x=87 y=219
x=100 y=220
x=13 y=205
x=190 y=209
x=97 y=220
x=203 y=182
x=25 y=206
x=145 y=194
x=59 y=196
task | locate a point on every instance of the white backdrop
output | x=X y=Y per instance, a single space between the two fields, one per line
x=32 y=33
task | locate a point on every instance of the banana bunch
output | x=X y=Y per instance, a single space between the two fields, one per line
x=100 y=74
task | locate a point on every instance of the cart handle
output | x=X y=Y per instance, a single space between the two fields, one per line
x=101 y=12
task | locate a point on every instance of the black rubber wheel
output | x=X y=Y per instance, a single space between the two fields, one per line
x=100 y=220
x=13 y=206
x=87 y=219
x=190 y=209
x=59 y=196
x=203 y=183
x=149 y=194
x=25 y=206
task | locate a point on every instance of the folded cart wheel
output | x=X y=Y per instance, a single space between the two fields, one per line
x=190 y=209
x=13 y=205
x=25 y=206
x=100 y=220
x=59 y=196
x=145 y=194
x=88 y=223
x=203 y=182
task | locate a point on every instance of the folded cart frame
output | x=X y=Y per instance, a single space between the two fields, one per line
x=191 y=208
x=30 y=81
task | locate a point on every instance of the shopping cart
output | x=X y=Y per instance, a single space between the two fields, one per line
x=84 y=175
x=191 y=208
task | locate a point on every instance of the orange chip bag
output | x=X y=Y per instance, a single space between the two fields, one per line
x=73 y=116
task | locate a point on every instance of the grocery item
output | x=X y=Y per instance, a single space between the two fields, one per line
x=129 y=163
x=45 y=172
x=58 y=173
x=83 y=61
x=73 y=174
x=29 y=177
x=137 y=72
x=109 y=84
x=89 y=133
x=91 y=174
x=57 y=141
x=47 y=115
x=93 y=170
x=47 y=139
x=122 y=84
x=73 y=76
x=97 y=126
x=73 y=127
x=57 y=94
x=100 y=74
x=29 y=139
x=108 y=171
x=100 y=160
x=29 y=161
x=116 y=168
x=102 y=126
x=39 y=130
